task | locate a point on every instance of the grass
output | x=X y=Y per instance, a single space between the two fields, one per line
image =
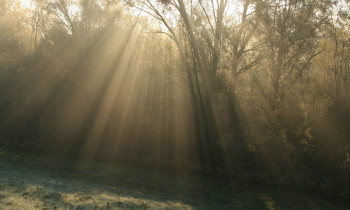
x=43 y=182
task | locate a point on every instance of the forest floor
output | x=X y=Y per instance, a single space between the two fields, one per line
x=41 y=182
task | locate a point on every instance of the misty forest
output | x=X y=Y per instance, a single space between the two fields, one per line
x=174 y=104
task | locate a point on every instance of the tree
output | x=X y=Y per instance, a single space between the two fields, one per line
x=291 y=31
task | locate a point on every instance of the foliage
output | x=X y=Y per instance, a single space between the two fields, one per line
x=260 y=93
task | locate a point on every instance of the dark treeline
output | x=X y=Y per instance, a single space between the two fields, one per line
x=252 y=89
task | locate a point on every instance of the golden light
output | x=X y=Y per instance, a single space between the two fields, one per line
x=27 y=4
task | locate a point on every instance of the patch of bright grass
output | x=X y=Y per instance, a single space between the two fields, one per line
x=37 y=182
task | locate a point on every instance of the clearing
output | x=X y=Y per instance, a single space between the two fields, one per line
x=40 y=182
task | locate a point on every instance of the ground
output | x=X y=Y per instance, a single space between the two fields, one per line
x=42 y=182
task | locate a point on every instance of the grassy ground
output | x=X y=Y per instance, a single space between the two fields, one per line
x=41 y=182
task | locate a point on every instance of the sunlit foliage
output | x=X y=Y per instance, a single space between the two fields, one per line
x=252 y=89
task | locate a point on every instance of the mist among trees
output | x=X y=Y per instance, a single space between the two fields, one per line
x=253 y=90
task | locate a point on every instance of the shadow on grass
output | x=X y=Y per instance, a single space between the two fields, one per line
x=40 y=182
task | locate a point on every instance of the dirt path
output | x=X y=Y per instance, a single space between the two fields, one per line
x=34 y=182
